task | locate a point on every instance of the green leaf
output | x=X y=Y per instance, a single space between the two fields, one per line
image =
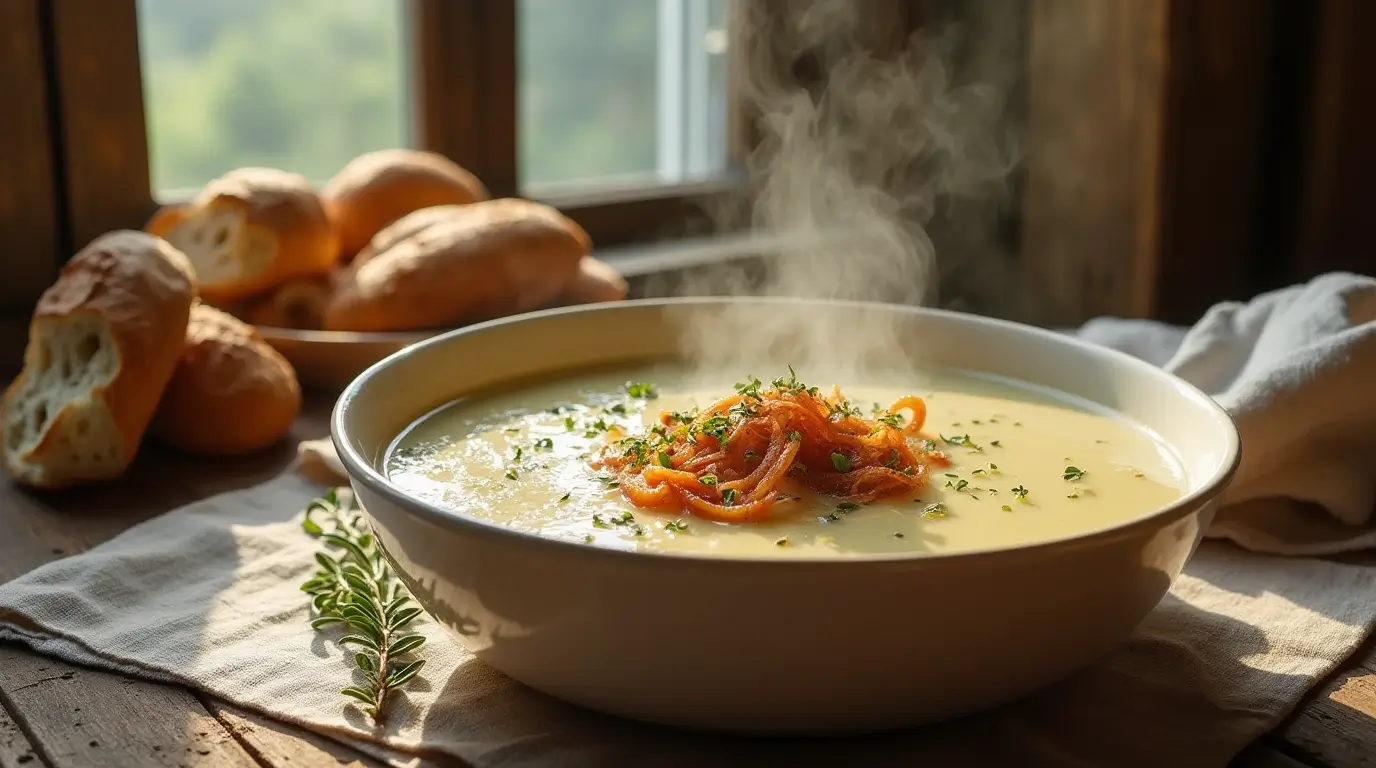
x=401 y=675
x=357 y=582
x=345 y=543
x=404 y=617
x=365 y=662
x=365 y=604
x=324 y=621
x=395 y=605
x=363 y=640
x=327 y=562
x=358 y=693
x=311 y=527
x=365 y=541
x=406 y=644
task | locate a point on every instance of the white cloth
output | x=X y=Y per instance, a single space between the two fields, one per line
x=207 y=596
x=1297 y=370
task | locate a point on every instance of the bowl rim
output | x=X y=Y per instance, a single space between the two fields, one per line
x=362 y=471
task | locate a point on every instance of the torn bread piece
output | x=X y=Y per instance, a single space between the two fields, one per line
x=596 y=281
x=468 y=262
x=298 y=304
x=375 y=189
x=249 y=231
x=103 y=342
x=230 y=394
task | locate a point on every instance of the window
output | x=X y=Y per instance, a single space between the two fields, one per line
x=231 y=83
x=614 y=110
x=618 y=92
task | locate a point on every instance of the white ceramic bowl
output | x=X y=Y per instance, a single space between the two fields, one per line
x=779 y=645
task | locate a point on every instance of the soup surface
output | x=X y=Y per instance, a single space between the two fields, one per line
x=1025 y=465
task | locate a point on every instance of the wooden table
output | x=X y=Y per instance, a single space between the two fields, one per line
x=59 y=715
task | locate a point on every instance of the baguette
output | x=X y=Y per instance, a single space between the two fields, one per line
x=249 y=231
x=468 y=262
x=596 y=281
x=296 y=304
x=103 y=342
x=230 y=394
x=376 y=189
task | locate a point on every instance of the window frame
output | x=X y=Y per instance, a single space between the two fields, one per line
x=463 y=67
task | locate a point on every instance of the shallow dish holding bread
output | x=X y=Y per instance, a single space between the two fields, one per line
x=698 y=614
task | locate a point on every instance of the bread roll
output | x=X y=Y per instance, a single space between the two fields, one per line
x=103 y=342
x=378 y=188
x=231 y=393
x=596 y=281
x=296 y=304
x=250 y=231
x=469 y=262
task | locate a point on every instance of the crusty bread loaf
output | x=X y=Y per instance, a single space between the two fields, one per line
x=596 y=281
x=231 y=393
x=376 y=189
x=249 y=231
x=296 y=304
x=470 y=262
x=102 y=345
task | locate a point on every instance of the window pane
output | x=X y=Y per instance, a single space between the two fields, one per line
x=303 y=85
x=622 y=91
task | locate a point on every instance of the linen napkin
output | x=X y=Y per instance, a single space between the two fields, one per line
x=1234 y=646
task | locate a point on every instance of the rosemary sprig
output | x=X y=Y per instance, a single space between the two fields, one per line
x=355 y=587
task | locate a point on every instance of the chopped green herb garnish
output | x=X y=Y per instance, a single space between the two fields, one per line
x=892 y=461
x=897 y=535
x=708 y=479
x=847 y=506
x=618 y=408
x=1006 y=508
x=894 y=420
x=750 y=388
x=841 y=461
x=587 y=538
x=1073 y=473
x=565 y=497
x=511 y=474
x=728 y=496
x=794 y=436
x=1020 y=493
x=641 y=390
x=598 y=522
x=675 y=526
x=568 y=423
x=544 y=444
x=664 y=460
x=517 y=453
x=782 y=542
x=934 y=510
x=996 y=443
x=963 y=441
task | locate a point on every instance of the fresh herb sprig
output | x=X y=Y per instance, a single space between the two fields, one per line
x=355 y=587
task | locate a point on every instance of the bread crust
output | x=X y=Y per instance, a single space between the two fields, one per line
x=231 y=393
x=296 y=304
x=375 y=189
x=276 y=205
x=466 y=263
x=596 y=281
x=141 y=289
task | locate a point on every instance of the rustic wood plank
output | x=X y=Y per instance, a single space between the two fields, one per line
x=278 y=744
x=1144 y=153
x=15 y=749
x=28 y=189
x=1335 y=214
x=82 y=717
x=105 y=139
x=1091 y=200
x=1338 y=727
x=1262 y=755
x=1211 y=162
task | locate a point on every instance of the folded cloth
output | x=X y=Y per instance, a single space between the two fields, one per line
x=208 y=596
x=1296 y=368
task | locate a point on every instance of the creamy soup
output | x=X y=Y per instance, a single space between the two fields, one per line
x=1025 y=465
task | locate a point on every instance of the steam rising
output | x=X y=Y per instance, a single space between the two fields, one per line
x=851 y=169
